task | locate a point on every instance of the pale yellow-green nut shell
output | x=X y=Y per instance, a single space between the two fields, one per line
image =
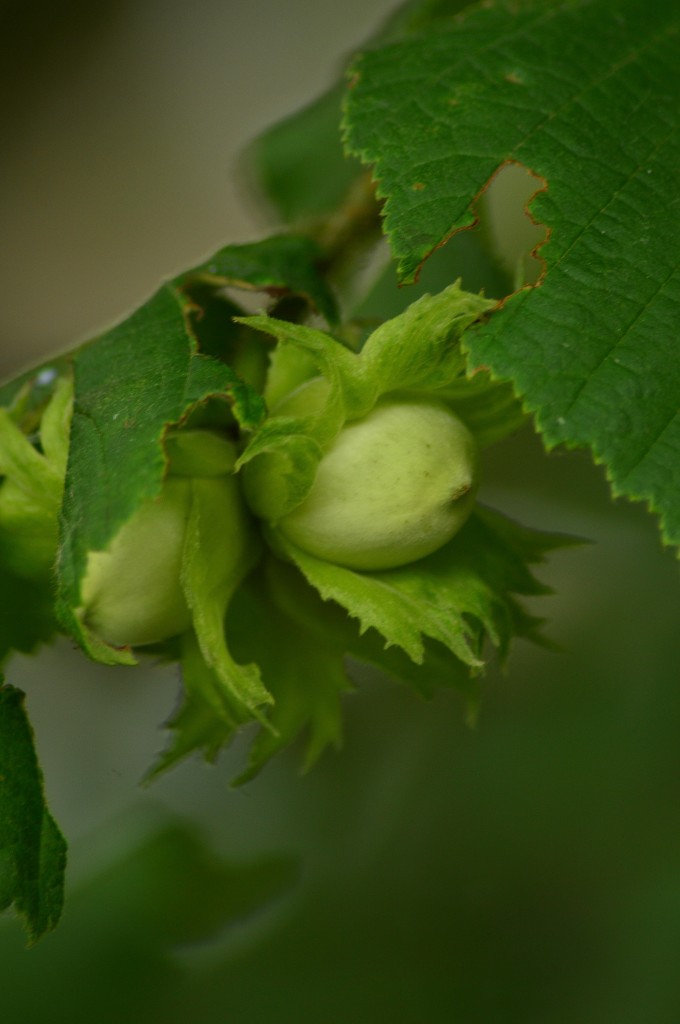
x=393 y=487
x=131 y=593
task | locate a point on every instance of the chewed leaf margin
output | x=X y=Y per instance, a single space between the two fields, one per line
x=278 y=265
x=131 y=385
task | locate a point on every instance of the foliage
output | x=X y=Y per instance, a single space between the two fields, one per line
x=585 y=94
x=32 y=849
x=434 y=107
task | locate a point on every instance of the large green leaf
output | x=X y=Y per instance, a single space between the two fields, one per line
x=130 y=384
x=32 y=849
x=585 y=93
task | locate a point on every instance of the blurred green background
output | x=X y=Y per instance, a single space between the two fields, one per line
x=524 y=871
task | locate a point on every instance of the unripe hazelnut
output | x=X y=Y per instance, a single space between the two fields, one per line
x=131 y=592
x=392 y=487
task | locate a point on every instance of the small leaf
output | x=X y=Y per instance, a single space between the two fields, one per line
x=282 y=456
x=302 y=667
x=329 y=622
x=207 y=717
x=217 y=516
x=420 y=348
x=456 y=596
x=338 y=364
x=278 y=265
x=32 y=849
x=282 y=463
x=299 y=644
x=401 y=614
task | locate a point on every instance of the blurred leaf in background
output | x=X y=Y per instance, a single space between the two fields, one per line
x=113 y=959
x=525 y=872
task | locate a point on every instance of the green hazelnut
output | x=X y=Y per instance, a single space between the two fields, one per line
x=393 y=487
x=131 y=592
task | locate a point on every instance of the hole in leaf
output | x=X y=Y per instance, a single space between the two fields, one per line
x=496 y=253
x=512 y=233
